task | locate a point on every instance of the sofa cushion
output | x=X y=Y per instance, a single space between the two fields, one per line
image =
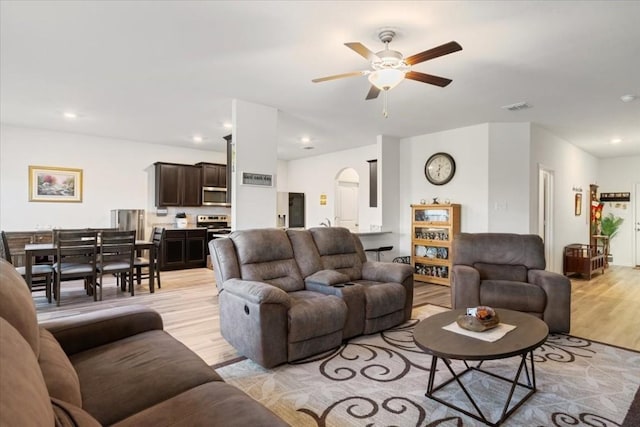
x=314 y=314
x=59 y=375
x=122 y=378
x=338 y=250
x=16 y=305
x=69 y=415
x=266 y=255
x=327 y=277
x=517 y=296
x=305 y=251
x=515 y=273
x=382 y=298
x=24 y=397
x=499 y=248
x=209 y=404
x=283 y=274
x=261 y=245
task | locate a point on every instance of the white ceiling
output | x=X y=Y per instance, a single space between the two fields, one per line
x=162 y=71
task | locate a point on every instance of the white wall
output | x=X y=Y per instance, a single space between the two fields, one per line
x=508 y=169
x=571 y=168
x=117 y=174
x=316 y=175
x=389 y=182
x=255 y=141
x=620 y=175
x=469 y=147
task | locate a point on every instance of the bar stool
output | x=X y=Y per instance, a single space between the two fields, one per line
x=378 y=250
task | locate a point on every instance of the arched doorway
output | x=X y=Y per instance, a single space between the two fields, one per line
x=346 y=206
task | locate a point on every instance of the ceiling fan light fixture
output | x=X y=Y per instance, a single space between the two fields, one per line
x=387 y=78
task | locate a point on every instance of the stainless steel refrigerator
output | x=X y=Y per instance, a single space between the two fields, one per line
x=129 y=219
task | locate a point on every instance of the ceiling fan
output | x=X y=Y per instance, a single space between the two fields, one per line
x=390 y=67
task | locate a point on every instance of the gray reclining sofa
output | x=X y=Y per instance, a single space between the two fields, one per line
x=112 y=366
x=287 y=295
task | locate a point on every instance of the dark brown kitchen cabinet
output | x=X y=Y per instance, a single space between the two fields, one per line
x=178 y=185
x=183 y=249
x=213 y=175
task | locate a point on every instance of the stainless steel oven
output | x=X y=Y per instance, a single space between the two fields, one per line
x=216 y=225
x=214 y=196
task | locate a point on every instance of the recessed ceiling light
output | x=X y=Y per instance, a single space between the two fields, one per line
x=305 y=139
x=616 y=140
x=227 y=125
x=70 y=115
x=628 y=98
x=197 y=139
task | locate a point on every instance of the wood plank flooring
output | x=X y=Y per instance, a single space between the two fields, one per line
x=603 y=309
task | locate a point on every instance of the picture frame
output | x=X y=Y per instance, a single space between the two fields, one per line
x=578 y=204
x=257 y=179
x=55 y=184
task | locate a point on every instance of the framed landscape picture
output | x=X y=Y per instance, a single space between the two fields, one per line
x=53 y=184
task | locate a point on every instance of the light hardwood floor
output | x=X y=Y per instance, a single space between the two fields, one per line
x=604 y=308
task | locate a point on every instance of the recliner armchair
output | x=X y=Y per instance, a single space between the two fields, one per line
x=505 y=270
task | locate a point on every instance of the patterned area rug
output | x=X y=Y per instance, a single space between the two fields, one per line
x=381 y=379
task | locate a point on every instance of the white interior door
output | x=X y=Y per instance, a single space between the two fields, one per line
x=347 y=205
x=637 y=224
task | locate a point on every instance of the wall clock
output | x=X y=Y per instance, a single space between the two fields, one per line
x=440 y=168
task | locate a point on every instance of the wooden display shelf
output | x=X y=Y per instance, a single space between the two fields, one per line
x=432 y=230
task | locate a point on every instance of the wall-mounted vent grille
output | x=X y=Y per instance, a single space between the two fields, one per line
x=517 y=106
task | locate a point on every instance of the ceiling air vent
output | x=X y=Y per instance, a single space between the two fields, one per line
x=517 y=106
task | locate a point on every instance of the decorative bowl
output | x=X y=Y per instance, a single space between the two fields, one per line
x=479 y=319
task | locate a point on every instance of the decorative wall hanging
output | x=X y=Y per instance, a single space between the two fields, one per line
x=54 y=184
x=578 y=204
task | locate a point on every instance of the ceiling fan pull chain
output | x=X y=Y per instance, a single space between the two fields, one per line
x=385 y=112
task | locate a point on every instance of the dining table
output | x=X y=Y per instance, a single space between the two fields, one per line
x=31 y=250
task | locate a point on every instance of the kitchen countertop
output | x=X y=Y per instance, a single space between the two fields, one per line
x=185 y=228
x=371 y=233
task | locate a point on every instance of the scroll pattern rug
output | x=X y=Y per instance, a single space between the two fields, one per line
x=380 y=380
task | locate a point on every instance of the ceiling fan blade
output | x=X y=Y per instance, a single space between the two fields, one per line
x=339 y=76
x=427 y=78
x=373 y=93
x=435 y=52
x=362 y=50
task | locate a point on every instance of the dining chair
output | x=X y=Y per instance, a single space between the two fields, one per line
x=76 y=254
x=140 y=262
x=41 y=273
x=116 y=257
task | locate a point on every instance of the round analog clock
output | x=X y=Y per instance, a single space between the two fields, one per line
x=440 y=168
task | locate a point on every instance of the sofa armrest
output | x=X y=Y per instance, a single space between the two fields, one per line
x=326 y=278
x=465 y=286
x=386 y=271
x=88 y=330
x=257 y=292
x=557 y=312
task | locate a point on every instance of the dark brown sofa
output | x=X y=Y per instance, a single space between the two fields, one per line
x=287 y=295
x=506 y=270
x=109 y=367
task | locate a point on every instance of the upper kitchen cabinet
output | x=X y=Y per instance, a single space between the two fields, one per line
x=178 y=185
x=213 y=175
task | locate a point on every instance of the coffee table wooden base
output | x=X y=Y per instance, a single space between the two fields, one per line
x=479 y=415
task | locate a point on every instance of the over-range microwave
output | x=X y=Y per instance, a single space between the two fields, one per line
x=214 y=196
